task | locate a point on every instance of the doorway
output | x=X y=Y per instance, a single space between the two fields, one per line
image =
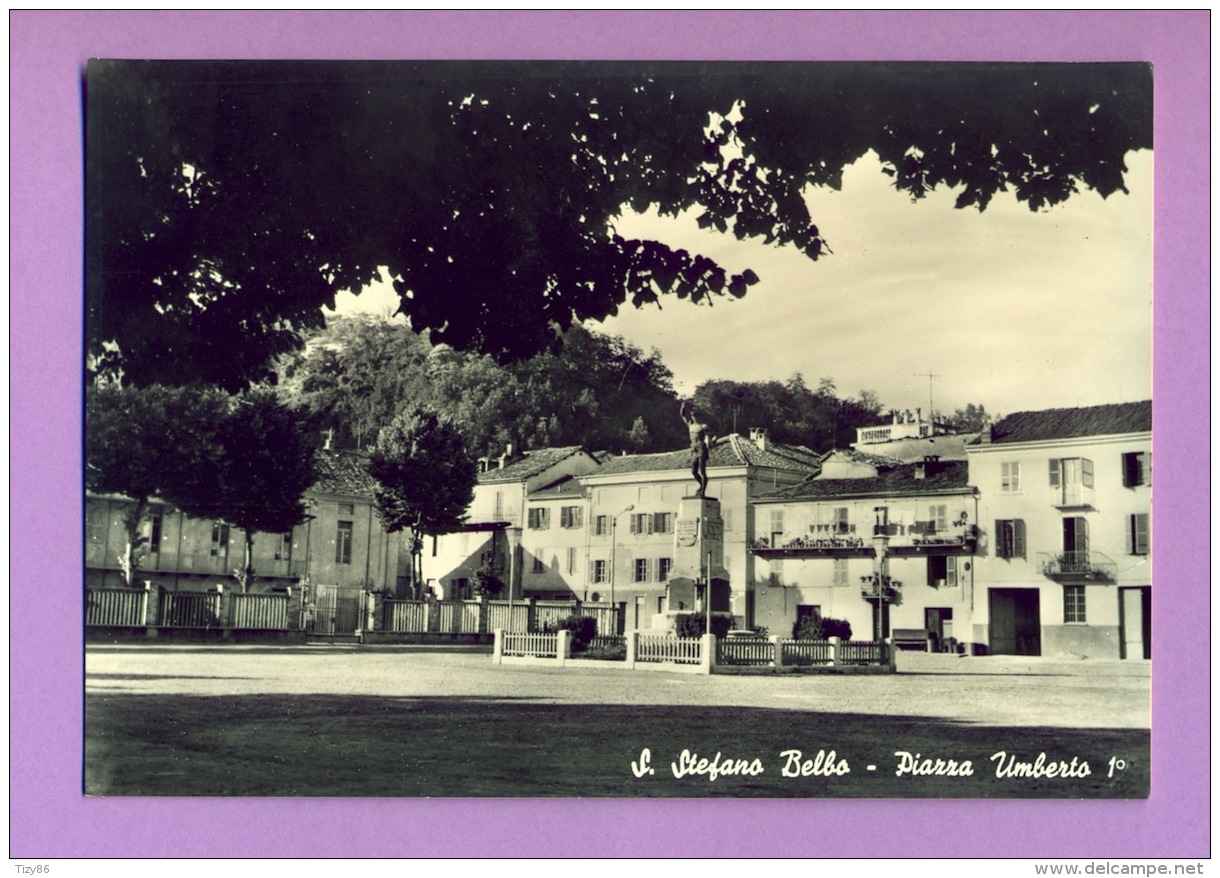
x=1135 y=622
x=1015 y=626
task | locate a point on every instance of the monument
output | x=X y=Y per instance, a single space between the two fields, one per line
x=698 y=539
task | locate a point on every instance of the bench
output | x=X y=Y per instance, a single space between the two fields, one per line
x=912 y=638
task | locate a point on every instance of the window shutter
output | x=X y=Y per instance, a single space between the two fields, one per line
x=1018 y=538
x=1086 y=472
x=951 y=572
x=1055 y=473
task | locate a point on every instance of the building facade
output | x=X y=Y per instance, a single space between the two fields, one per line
x=879 y=543
x=341 y=544
x=1065 y=563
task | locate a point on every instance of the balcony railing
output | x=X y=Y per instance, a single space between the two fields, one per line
x=812 y=546
x=1078 y=567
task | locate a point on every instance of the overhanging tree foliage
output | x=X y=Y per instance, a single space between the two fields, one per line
x=226 y=202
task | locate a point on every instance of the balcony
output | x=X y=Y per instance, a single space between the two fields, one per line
x=885 y=589
x=829 y=546
x=1078 y=568
x=924 y=538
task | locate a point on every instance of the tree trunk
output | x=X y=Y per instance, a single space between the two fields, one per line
x=129 y=561
x=246 y=576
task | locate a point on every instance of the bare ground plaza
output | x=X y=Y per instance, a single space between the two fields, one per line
x=337 y=720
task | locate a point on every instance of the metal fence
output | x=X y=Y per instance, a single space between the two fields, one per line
x=188 y=609
x=745 y=651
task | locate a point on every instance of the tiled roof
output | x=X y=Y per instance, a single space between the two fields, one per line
x=942 y=476
x=568 y=486
x=343 y=472
x=1098 y=420
x=860 y=457
x=530 y=465
x=726 y=451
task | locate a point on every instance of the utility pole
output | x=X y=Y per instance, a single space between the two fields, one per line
x=929 y=375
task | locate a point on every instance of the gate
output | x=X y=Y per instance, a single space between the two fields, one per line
x=338 y=609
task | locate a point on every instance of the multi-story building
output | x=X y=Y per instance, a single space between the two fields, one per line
x=525 y=527
x=341 y=544
x=1065 y=560
x=880 y=543
x=633 y=508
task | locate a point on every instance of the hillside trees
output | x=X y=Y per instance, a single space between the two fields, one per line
x=227 y=202
x=359 y=373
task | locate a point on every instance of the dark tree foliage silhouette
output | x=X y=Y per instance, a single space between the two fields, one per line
x=226 y=202
x=426 y=479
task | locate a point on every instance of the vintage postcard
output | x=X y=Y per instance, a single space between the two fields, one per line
x=512 y=430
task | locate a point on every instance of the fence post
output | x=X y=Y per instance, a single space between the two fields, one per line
x=890 y=656
x=563 y=645
x=777 y=651
x=497 y=649
x=224 y=608
x=531 y=615
x=484 y=613
x=629 y=659
x=707 y=653
x=149 y=602
x=834 y=651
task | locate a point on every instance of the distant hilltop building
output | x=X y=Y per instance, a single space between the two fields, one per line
x=908 y=437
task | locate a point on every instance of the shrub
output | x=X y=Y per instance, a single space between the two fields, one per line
x=808 y=628
x=695 y=625
x=839 y=628
x=583 y=628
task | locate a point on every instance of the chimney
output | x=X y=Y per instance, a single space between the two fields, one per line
x=985 y=436
x=328 y=437
x=921 y=470
x=760 y=437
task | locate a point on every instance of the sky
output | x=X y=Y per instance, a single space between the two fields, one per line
x=1008 y=308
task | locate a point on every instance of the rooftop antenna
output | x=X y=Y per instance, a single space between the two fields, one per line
x=929 y=375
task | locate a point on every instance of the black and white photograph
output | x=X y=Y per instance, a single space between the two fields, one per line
x=618 y=429
x=609 y=434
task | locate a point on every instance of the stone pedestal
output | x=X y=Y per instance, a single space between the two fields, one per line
x=698 y=557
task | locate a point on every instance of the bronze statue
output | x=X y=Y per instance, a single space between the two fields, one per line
x=700 y=443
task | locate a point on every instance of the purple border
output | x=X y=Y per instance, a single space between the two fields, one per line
x=50 y=818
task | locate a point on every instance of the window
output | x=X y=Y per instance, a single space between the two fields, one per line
x=498 y=506
x=154 y=532
x=840 y=573
x=1137 y=534
x=663 y=523
x=1135 y=469
x=461 y=590
x=1073 y=603
x=538 y=566
x=1076 y=536
x=343 y=543
x=1010 y=538
x=220 y=539
x=840 y=520
x=640 y=571
x=777 y=527
x=664 y=565
x=539 y=518
x=283 y=547
x=601 y=525
x=600 y=573
x=1071 y=471
x=1010 y=477
x=942 y=571
x=571 y=516
x=937 y=518
x=347 y=508
x=571 y=559
x=641 y=523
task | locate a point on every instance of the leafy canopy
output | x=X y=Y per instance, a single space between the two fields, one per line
x=228 y=201
x=426 y=479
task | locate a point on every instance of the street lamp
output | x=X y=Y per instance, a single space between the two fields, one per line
x=613 y=533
